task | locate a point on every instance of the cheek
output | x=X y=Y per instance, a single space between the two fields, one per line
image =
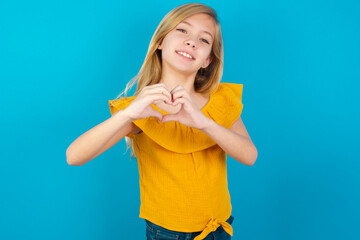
x=207 y=53
x=210 y=52
x=167 y=44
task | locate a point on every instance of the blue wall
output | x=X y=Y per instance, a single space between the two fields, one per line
x=61 y=61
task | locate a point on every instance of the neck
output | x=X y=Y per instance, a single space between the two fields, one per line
x=172 y=78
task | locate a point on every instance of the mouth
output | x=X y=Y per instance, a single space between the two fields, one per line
x=184 y=54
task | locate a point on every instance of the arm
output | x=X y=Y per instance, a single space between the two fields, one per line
x=99 y=139
x=235 y=141
x=103 y=136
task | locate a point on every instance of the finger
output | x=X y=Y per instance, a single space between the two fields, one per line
x=157 y=114
x=159 y=96
x=159 y=89
x=180 y=100
x=155 y=85
x=180 y=94
x=159 y=93
x=169 y=117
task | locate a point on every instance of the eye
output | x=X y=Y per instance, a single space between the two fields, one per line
x=181 y=30
x=206 y=41
x=184 y=31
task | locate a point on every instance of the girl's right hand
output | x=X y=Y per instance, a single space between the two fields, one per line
x=140 y=107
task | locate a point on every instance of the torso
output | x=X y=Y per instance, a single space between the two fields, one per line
x=200 y=100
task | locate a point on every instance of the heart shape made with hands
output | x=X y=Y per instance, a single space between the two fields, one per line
x=172 y=109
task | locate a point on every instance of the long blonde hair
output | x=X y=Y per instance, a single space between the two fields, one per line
x=207 y=79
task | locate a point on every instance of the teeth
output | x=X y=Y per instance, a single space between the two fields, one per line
x=185 y=54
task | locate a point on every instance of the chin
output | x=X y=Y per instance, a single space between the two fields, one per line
x=181 y=67
x=186 y=68
x=187 y=71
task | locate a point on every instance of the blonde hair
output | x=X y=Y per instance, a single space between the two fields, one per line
x=207 y=79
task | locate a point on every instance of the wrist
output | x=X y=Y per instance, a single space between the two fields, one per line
x=124 y=115
x=207 y=124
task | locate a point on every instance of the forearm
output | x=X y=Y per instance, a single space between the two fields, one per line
x=86 y=146
x=235 y=145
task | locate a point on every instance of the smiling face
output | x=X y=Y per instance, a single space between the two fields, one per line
x=188 y=46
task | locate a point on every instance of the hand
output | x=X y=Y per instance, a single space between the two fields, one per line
x=140 y=107
x=189 y=114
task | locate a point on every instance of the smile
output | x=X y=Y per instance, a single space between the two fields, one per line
x=188 y=56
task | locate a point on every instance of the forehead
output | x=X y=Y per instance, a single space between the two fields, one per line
x=202 y=21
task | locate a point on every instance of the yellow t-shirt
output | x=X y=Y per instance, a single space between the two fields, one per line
x=182 y=171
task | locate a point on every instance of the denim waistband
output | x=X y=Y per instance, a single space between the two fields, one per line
x=151 y=226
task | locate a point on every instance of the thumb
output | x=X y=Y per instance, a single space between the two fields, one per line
x=169 y=117
x=157 y=114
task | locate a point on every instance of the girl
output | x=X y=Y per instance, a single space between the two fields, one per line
x=181 y=123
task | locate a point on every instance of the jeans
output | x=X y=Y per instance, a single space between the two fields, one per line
x=155 y=232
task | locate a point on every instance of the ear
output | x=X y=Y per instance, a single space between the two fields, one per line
x=207 y=61
x=159 y=47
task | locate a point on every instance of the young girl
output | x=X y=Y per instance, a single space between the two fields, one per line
x=181 y=123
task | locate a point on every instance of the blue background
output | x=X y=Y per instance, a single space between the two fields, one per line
x=61 y=61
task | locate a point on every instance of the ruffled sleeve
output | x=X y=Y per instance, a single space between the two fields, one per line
x=119 y=104
x=226 y=104
x=224 y=107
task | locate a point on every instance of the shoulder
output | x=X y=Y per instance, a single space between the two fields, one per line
x=228 y=93
x=226 y=104
x=234 y=87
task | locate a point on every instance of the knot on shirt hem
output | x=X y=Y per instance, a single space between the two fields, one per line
x=212 y=225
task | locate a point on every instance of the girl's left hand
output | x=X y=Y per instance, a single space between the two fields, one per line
x=189 y=114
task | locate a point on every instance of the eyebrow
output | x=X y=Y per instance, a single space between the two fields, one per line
x=203 y=31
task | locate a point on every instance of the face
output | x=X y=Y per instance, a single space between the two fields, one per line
x=188 y=46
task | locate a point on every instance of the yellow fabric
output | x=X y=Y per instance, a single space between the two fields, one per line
x=182 y=171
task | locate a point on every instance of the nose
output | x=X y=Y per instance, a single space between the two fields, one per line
x=190 y=43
